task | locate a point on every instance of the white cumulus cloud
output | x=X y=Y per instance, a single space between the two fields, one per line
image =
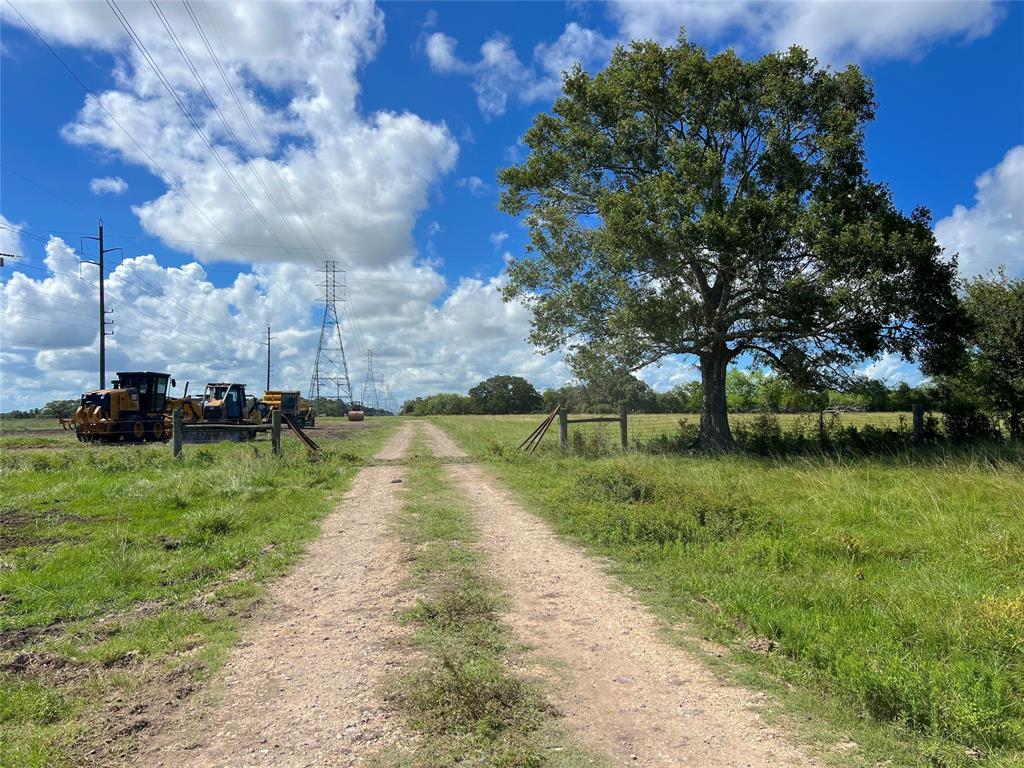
x=299 y=172
x=990 y=233
x=474 y=184
x=500 y=74
x=835 y=31
x=108 y=185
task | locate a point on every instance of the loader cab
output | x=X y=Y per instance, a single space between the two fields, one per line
x=151 y=388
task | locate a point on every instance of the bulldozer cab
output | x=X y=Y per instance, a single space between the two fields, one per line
x=224 y=401
x=151 y=388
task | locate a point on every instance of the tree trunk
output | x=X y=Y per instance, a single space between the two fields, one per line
x=715 y=434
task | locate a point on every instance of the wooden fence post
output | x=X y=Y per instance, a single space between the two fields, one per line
x=623 y=436
x=176 y=430
x=275 y=431
x=918 y=411
x=563 y=428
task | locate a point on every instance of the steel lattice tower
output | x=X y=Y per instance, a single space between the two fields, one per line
x=330 y=370
x=370 y=383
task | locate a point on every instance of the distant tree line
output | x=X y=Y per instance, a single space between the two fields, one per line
x=746 y=392
x=494 y=396
x=51 y=410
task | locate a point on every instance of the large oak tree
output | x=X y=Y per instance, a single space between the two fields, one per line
x=711 y=207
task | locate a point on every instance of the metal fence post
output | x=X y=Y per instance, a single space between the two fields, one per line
x=563 y=428
x=623 y=437
x=176 y=430
x=275 y=432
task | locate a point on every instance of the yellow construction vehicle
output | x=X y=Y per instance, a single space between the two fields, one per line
x=133 y=410
x=356 y=412
x=226 y=403
x=290 y=403
x=190 y=407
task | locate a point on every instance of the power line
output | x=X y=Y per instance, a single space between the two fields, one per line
x=245 y=116
x=164 y=174
x=133 y=35
x=209 y=96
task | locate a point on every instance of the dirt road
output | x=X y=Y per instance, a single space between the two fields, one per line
x=622 y=688
x=302 y=689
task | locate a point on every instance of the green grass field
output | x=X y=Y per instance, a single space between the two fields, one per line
x=124 y=575
x=9 y=426
x=881 y=597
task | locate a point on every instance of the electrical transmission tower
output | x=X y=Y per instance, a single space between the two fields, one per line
x=370 y=384
x=330 y=370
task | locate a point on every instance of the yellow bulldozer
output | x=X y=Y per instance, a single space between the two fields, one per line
x=133 y=410
x=226 y=403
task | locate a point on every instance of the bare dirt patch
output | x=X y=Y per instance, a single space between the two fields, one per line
x=303 y=688
x=622 y=688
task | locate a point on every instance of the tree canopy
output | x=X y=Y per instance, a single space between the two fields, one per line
x=710 y=207
x=992 y=377
x=505 y=394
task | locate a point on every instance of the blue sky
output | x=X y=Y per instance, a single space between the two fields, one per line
x=390 y=131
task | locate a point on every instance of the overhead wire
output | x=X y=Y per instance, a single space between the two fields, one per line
x=167 y=177
x=165 y=82
x=245 y=116
x=216 y=107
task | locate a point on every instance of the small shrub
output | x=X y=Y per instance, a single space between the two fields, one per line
x=591 y=445
x=122 y=564
x=964 y=423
